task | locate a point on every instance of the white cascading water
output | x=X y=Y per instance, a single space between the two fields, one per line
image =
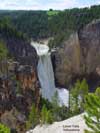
x=46 y=75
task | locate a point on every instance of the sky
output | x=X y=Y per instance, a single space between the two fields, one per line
x=45 y=4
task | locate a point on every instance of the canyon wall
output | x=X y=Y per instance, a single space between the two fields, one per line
x=79 y=57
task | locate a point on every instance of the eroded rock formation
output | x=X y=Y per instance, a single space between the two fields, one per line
x=79 y=56
x=67 y=60
x=19 y=86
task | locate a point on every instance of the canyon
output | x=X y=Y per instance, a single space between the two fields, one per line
x=43 y=72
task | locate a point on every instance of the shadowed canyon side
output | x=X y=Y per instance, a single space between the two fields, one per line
x=89 y=38
x=79 y=57
x=19 y=83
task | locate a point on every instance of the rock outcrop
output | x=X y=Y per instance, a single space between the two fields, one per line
x=19 y=88
x=79 y=57
x=74 y=124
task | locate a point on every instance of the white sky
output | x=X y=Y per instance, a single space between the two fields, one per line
x=45 y=4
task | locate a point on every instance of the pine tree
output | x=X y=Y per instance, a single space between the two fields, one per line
x=98 y=92
x=55 y=106
x=33 y=118
x=83 y=92
x=77 y=95
x=83 y=88
x=3 y=50
x=49 y=117
x=74 y=97
x=46 y=116
x=3 y=56
x=43 y=114
x=92 y=117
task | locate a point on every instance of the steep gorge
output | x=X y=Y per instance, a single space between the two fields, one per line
x=77 y=58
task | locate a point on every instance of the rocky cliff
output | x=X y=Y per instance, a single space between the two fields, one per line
x=19 y=86
x=89 y=38
x=79 y=57
x=18 y=46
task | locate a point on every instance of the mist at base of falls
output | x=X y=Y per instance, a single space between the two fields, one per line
x=46 y=75
x=63 y=95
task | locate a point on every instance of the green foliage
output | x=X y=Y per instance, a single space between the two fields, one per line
x=3 y=50
x=77 y=95
x=52 y=12
x=51 y=111
x=36 y=21
x=83 y=91
x=45 y=102
x=69 y=21
x=63 y=113
x=59 y=112
x=52 y=23
x=46 y=116
x=74 y=97
x=43 y=114
x=98 y=92
x=55 y=106
x=92 y=117
x=3 y=57
x=59 y=38
x=84 y=88
x=4 y=129
x=9 y=30
x=33 y=118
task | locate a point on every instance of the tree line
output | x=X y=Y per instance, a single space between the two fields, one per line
x=56 y=24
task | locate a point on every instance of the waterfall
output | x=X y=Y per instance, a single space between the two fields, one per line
x=45 y=71
x=46 y=75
